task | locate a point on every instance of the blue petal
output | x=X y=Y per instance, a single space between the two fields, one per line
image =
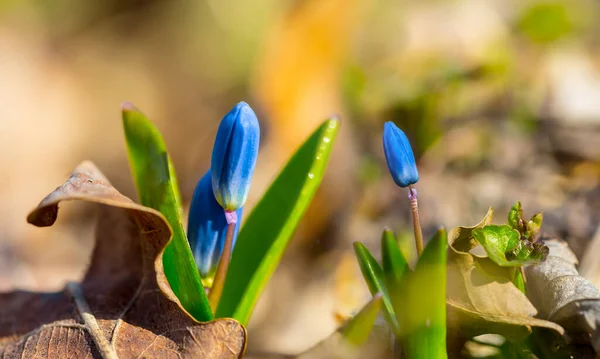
x=234 y=156
x=399 y=156
x=207 y=227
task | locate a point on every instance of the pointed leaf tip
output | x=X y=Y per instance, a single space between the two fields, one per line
x=333 y=121
x=128 y=106
x=375 y=278
x=357 y=330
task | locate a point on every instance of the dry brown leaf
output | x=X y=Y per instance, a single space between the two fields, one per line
x=124 y=306
x=565 y=297
x=481 y=299
x=485 y=302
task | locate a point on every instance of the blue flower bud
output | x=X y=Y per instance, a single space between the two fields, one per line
x=207 y=228
x=399 y=156
x=234 y=156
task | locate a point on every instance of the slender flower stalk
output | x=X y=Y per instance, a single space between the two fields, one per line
x=414 y=206
x=217 y=289
x=401 y=163
x=207 y=228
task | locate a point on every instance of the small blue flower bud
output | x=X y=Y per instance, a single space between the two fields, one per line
x=234 y=156
x=399 y=156
x=207 y=228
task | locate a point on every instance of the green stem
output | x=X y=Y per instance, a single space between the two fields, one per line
x=518 y=278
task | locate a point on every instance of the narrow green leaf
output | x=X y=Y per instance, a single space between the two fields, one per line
x=394 y=263
x=421 y=308
x=373 y=274
x=270 y=226
x=357 y=330
x=408 y=247
x=518 y=279
x=156 y=185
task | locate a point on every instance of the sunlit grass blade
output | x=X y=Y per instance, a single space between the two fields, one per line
x=374 y=276
x=272 y=223
x=357 y=330
x=394 y=264
x=156 y=185
x=422 y=306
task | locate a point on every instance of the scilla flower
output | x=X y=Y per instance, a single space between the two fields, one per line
x=399 y=156
x=207 y=228
x=402 y=166
x=234 y=157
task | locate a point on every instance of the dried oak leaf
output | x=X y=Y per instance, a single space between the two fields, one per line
x=124 y=306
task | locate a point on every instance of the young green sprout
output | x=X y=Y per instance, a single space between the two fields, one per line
x=401 y=163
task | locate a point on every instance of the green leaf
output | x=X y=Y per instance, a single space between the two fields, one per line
x=373 y=274
x=394 y=264
x=357 y=330
x=156 y=185
x=548 y=21
x=505 y=247
x=421 y=308
x=527 y=230
x=497 y=240
x=533 y=226
x=515 y=217
x=269 y=228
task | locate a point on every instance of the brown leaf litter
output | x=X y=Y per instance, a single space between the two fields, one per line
x=124 y=306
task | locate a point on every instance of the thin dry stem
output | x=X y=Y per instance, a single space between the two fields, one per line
x=104 y=347
x=414 y=205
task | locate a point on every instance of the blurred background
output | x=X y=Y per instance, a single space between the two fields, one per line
x=500 y=98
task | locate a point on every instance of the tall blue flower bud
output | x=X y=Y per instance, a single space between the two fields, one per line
x=399 y=156
x=207 y=228
x=234 y=156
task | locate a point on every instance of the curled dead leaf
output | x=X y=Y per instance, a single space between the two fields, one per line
x=124 y=306
x=563 y=296
x=460 y=239
x=480 y=297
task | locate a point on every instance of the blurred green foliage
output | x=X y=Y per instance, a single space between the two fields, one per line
x=546 y=22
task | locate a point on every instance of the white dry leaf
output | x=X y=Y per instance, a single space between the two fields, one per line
x=562 y=296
